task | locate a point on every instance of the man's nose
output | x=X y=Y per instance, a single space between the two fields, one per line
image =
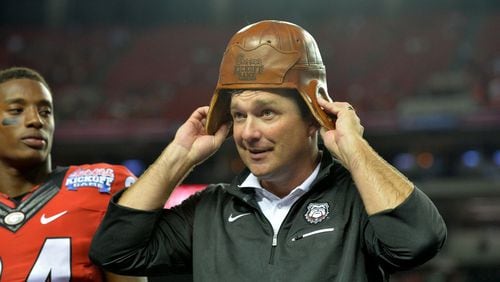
x=251 y=129
x=33 y=118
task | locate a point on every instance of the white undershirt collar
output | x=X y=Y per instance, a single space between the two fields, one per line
x=274 y=208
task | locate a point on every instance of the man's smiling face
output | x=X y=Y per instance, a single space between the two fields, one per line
x=272 y=137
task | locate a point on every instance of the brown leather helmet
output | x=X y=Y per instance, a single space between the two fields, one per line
x=265 y=55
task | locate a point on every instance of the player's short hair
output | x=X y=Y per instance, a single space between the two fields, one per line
x=22 y=72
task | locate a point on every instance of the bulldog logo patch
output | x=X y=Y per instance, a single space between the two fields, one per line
x=316 y=212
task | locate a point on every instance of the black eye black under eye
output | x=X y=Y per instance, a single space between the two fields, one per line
x=9 y=121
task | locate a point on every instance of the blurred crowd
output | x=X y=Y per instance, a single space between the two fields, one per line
x=436 y=70
x=376 y=63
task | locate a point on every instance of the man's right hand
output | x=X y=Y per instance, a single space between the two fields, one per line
x=191 y=146
x=193 y=137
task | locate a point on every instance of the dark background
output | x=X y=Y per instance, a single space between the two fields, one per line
x=424 y=76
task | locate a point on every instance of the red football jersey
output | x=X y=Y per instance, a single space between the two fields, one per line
x=47 y=236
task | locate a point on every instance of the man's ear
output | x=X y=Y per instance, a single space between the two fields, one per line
x=314 y=127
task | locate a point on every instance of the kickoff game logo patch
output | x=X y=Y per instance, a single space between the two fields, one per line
x=316 y=212
x=100 y=178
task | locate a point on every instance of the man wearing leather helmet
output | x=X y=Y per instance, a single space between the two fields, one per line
x=299 y=211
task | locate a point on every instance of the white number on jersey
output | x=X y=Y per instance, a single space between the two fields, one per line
x=53 y=262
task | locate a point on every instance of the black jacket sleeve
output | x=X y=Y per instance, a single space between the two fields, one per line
x=135 y=242
x=408 y=235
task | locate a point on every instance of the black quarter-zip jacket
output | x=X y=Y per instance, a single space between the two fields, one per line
x=220 y=234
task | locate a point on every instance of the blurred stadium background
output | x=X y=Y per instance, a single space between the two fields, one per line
x=423 y=75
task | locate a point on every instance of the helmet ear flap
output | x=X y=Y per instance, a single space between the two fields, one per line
x=218 y=112
x=310 y=93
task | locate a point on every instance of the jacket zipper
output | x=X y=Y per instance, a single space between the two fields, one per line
x=273 y=247
x=313 y=233
x=274 y=243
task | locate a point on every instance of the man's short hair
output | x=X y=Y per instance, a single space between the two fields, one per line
x=305 y=112
x=22 y=72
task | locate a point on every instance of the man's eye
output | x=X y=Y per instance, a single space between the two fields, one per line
x=15 y=111
x=238 y=116
x=46 y=112
x=267 y=113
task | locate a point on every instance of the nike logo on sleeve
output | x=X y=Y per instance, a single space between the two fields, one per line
x=46 y=220
x=232 y=218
